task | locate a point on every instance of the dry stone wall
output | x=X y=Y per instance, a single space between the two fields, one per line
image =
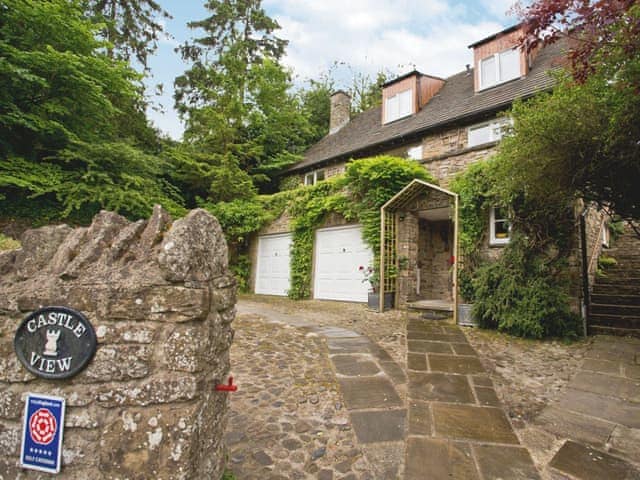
x=161 y=300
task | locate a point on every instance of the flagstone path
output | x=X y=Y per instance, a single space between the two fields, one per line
x=457 y=428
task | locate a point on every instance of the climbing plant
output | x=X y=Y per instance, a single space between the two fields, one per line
x=524 y=291
x=357 y=196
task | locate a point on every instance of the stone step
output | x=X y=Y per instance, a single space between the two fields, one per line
x=612 y=279
x=603 y=288
x=615 y=321
x=625 y=310
x=618 y=332
x=614 y=299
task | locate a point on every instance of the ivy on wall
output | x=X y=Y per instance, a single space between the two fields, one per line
x=357 y=195
x=525 y=291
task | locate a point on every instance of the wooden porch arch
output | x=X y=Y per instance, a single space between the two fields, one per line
x=389 y=232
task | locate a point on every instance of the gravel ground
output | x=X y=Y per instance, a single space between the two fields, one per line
x=287 y=420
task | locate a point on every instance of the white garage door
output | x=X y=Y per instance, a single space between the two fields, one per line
x=272 y=271
x=340 y=252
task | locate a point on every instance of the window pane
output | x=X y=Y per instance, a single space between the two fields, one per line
x=479 y=135
x=415 y=153
x=308 y=179
x=499 y=214
x=501 y=229
x=391 y=109
x=488 y=72
x=319 y=175
x=509 y=65
x=404 y=104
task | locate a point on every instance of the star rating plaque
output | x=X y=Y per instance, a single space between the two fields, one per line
x=43 y=426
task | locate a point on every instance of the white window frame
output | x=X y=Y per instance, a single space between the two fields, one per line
x=493 y=241
x=392 y=106
x=496 y=130
x=415 y=153
x=311 y=178
x=498 y=57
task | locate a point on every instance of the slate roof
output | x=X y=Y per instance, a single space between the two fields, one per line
x=455 y=102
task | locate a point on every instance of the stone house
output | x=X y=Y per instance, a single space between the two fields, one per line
x=445 y=124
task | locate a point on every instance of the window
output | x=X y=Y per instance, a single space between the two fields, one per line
x=488 y=131
x=398 y=106
x=415 y=153
x=314 y=177
x=499 y=68
x=500 y=227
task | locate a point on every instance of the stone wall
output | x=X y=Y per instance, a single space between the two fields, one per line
x=161 y=300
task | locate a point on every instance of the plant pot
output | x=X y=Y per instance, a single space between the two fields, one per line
x=465 y=317
x=373 y=300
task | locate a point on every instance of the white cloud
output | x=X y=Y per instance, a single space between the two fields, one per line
x=377 y=35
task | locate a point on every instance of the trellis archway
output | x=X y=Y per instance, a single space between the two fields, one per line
x=390 y=213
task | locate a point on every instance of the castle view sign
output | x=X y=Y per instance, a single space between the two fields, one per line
x=55 y=342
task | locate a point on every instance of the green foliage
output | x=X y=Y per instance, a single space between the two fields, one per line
x=130 y=28
x=371 y=183
x=476 y=188
x=8 y=243
x=521 y=295
x=582 y=139
x=358 y=195
x=72 y=120
x=524 y=291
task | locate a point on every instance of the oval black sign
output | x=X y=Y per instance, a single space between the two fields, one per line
x=55 y=342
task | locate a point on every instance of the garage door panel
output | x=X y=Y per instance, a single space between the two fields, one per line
x=339 y=254
x=273 y=269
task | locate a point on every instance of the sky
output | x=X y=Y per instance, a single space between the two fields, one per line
x=364 y=36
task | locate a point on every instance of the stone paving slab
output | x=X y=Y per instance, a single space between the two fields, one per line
x=437 y=459
x=425 y=346
x=465 y=422
x=607 y=408
x=419 y=418
x=395 y=372
x=586 y=463
x=368 y=392
x=487 y=396
x=607 y=385
x=379 y=426
x=574 y=425
x=354 y=365
x=440 y=387
x=454 y=364
x=508 y=463
x=349 y=345
x=417 y=361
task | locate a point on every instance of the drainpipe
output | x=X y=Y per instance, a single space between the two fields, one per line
x=585 y=270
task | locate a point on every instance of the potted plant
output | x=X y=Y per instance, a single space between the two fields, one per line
x=372 y=277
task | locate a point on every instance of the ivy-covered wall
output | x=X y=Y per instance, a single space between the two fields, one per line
x=354 y=197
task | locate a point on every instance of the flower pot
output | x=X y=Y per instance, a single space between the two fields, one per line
x=373 y=300
x=465 y=317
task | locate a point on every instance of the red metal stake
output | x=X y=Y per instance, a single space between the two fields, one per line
x=230 y=387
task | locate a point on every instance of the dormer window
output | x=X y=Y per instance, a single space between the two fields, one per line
x=499 y=68
x=398 y=106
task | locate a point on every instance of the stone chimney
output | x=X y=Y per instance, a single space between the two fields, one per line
x=340 y=111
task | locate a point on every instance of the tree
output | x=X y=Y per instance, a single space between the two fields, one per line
x=598 y=30
x=65 y=147
x=237 y=99
x=131 y=27
x=584 y=138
